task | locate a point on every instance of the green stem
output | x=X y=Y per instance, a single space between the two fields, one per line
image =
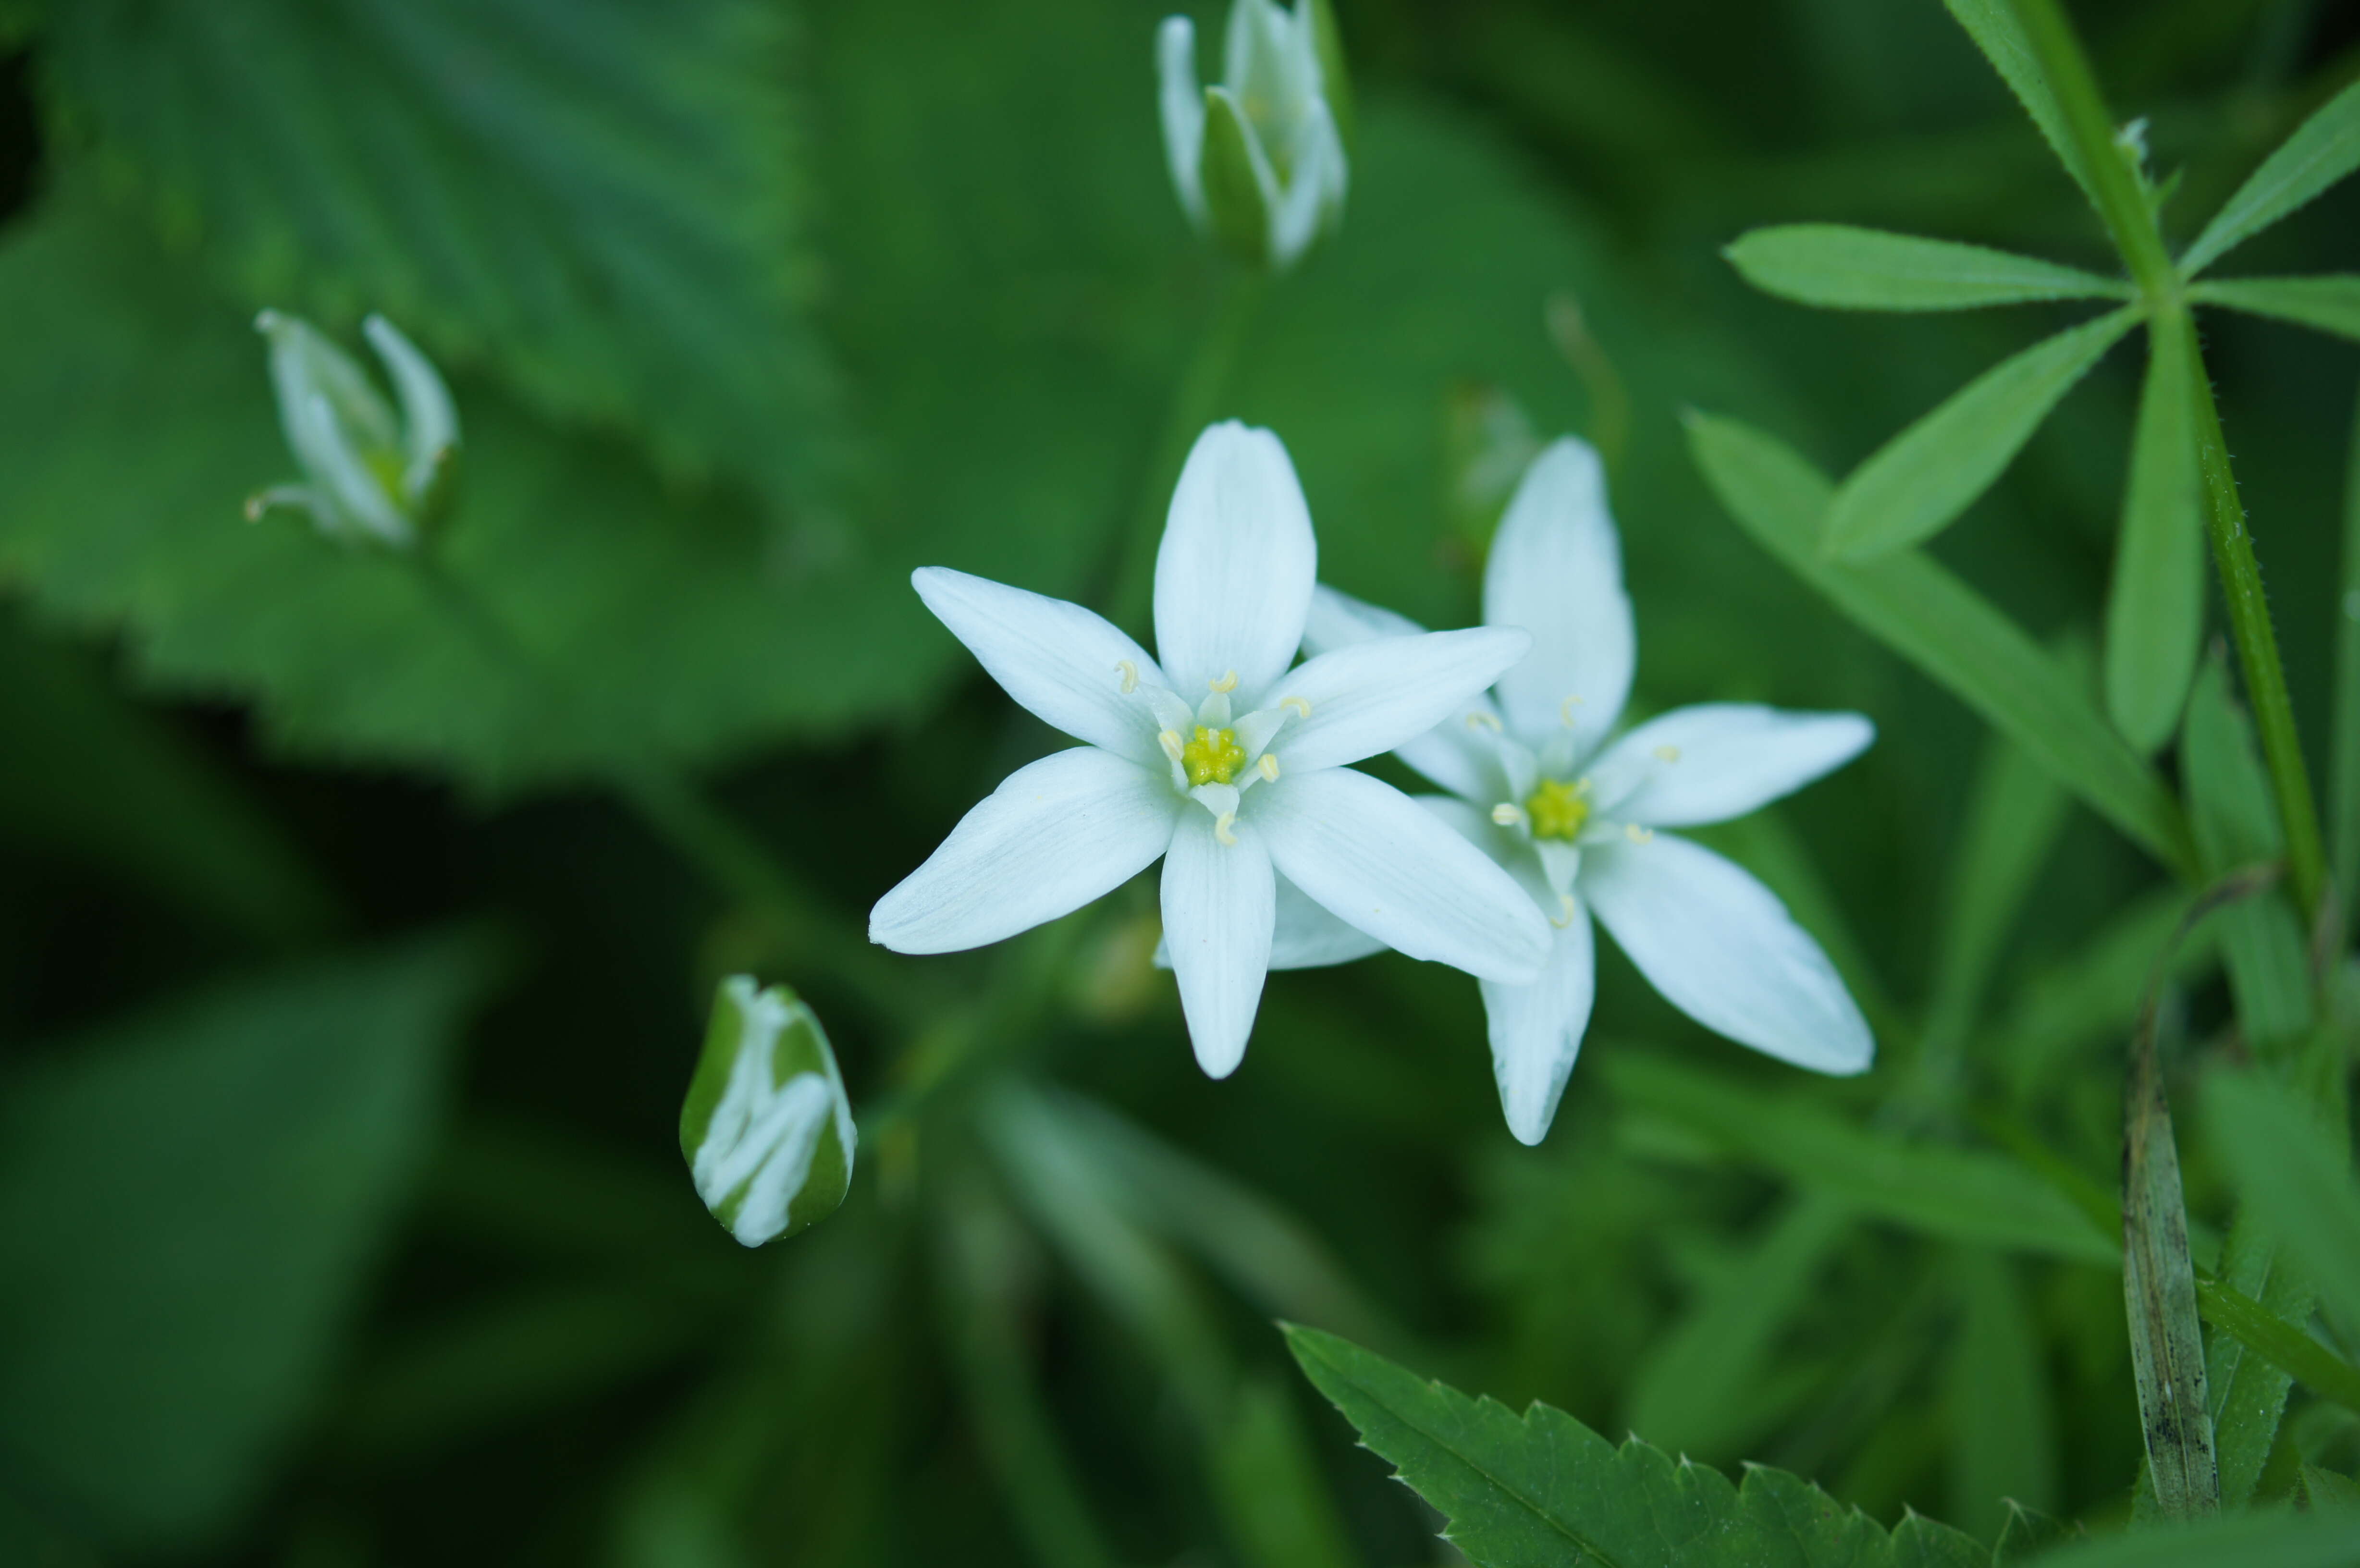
x=723 y=851
x=1130 y=591
x=2129 y=217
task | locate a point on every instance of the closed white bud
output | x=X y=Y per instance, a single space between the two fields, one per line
x=374 y=472
x=765 y=1129
x=1258 y=161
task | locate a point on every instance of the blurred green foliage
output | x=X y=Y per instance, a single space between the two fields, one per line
x=322 y=1241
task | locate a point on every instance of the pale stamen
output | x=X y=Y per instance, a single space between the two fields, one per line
x=1228 y=682
x=1507 y=815
x=1636 y=833
x=1269 y=766
x=1479 y=720
x=1170 y=741
x=1221 y=826
x=1302 y=706
x=1565 y=710
x=1566 y=910
x=1129 y=675
x=1667 y=754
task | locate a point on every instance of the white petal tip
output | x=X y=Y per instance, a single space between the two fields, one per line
x=1218 y=1058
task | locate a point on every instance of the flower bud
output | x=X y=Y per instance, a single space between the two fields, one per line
x=765 y=1129
x=370 y=474
x=1258 y=161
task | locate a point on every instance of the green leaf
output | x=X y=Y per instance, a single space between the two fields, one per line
x=599 y=618
x=1697 y=1388
x=1956 y=1193
x=2287 y=1346
x=2248 y=1390
x=1837 y=266
x=2003 y=1426
x=2322 y=150
x=190 y=1203
x=1998 y=32
x=2024 y=1536
x=765 y=1129
x=2343 y=785
x=2330 y=304
x=2015 y=816
x=1917 y=483
x=2159 y=1295
x=1918 y=609
x=2234 y=816
x=2154 y=606
x=2271 y=1539
x=603 y=203
x=2296 y=1177
x=2325 y=1492
x=1543 y=1491
x=119 y=789
x=2092 y=995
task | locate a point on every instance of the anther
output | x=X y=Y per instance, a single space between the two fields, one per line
x=1636 y=833
x=1228 y=682
x=1129 y=675
x=1564 y=711
x=1667 y=753
x=1170 y=741
x=1221 y=825
x=1480 y=720
x=1507 y=815
x=1269 y=766
x=1302 y=706
x=1566 y=910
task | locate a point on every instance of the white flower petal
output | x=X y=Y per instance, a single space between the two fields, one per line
x=1308 y=937
x=1181 y=102
x=1233 y=575
x=1055 y=834
x=430 y=420
x=1381 y=862
x=1376 y=695
x=1057 y=660
x=1720 y=948
x=1461 y=753
x=1536 y=1029
x=1219 y=913
x=1719 y=760
x=1556 y=570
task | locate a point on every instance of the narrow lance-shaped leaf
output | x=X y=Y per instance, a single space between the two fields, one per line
x=2344 y=831
x=2155 y=608
x=1918 y=609
x=1541 y=1490
x=2249 y=1391
x=2286 y=1165
x=1993 y=24
x=2270 y=1337
x=1957 y=1194
x=2322 y=150
x=2160 y=1292
x=2328 y=304
x=1842 y=267
x=766 y=1128
x=1918 y=484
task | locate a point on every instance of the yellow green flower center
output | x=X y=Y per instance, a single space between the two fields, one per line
x=1212 y=757
x=1558 y=810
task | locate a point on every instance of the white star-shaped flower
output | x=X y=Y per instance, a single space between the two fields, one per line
x=1239 y=784
x=1536 y=783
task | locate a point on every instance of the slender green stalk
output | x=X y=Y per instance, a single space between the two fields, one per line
x=2123 y=204
x=1194 y=401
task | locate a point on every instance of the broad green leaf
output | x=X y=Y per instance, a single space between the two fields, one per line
x=1997 y=31
x=1541 y=1490
x=2024 y=1536
x=1916 y=607
x=2002 y=1428
x=2322 y=150
x=765 y=1129
x=118 y=788
x=1957 y=1194
x=2159 y=1295
x=1838 y=267
x=1691 y=1390
x=2296 y=1177
x=2234 y=817
x=2154 y=606
x=190 y=1203
x=2248 y=1391
x=2344 y=786
x=2325 y=1492
x=1917 y=483
x=602 y=203
x=598 y=618
x=2330 y=304
x=2270 y=1539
